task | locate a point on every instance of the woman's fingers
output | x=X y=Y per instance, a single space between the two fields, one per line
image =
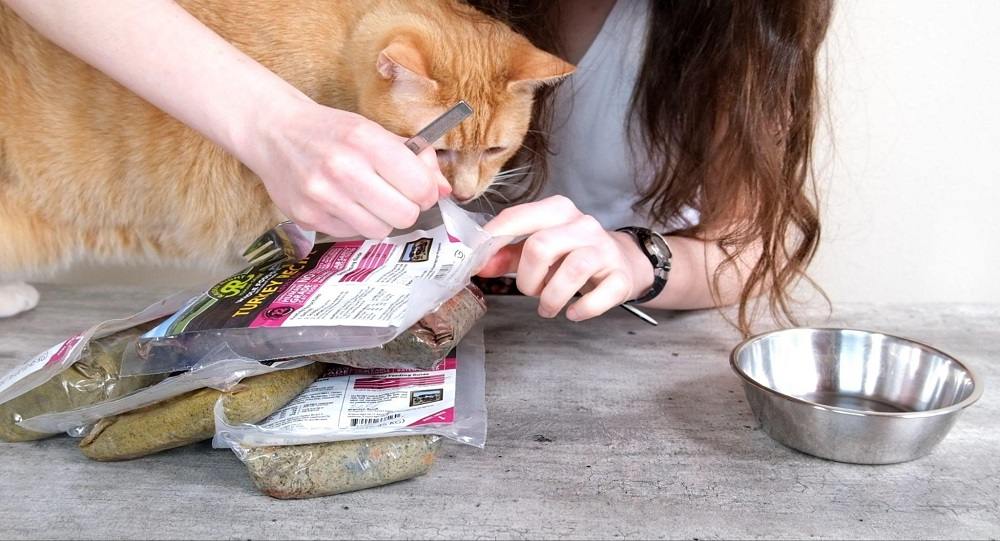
x=317 y=162
x=429 y=157
x=330 y=218
x=566 y=251
x=613 y=290
x=384 y=202
x=530 y=218
x=544 y=249
x=522 y=220
x=572 y=274
x=406 y=172
x=331 y=225
x=366 y=223
x=362 y=199
x=503 y=262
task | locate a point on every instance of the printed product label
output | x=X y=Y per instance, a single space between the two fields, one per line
x=365 y=402
x=356 y=283
x=51 y=356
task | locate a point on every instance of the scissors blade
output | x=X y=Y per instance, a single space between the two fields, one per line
x=438 y=127
x=639 y=313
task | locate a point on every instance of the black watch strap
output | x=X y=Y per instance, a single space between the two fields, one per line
x=655 y=248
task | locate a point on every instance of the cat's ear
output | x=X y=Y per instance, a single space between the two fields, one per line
x=532 y=67
x=404 y=63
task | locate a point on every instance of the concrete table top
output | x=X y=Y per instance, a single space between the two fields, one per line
x=607 y=429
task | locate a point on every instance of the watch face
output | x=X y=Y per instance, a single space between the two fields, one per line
x=657 y=246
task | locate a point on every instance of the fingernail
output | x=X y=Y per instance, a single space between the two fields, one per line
x=571 y=314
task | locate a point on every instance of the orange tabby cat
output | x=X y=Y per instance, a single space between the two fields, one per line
x=89 y=170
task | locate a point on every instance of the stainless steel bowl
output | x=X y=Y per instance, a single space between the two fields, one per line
x=853 y=396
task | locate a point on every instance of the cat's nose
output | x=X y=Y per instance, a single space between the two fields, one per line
x=464 y=184
x=462 y=197
x=463 y=193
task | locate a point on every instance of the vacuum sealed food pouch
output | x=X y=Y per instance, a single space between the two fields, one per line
x=189 y=418
x=345 y=295
x=426 y=342
x=325 y=469
x=423 y=344
x=83 y=370
x=354 y=429
x=348 y=403
x=223 y=376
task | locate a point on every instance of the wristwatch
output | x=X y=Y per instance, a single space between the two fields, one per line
x=654 y=246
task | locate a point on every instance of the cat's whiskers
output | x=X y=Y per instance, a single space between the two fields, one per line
x=491 y=191
x=493 y=208
x=523 y=167
x=529 y=149
x=508 y=181
x=516 y=172
x=503 y=182
x=513 y=173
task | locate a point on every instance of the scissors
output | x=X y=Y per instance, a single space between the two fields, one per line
x=290 y=241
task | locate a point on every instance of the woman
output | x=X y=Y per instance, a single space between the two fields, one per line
x=693 y=118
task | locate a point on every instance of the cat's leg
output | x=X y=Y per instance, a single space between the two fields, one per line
x=30 y=247
x=17 y=297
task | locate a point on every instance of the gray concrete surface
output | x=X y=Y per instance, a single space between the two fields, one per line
x=608 y=429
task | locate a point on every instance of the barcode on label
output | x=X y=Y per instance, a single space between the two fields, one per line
x=375 y=421
x=444 y=271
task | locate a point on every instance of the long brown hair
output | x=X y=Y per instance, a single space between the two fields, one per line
x=726 y=100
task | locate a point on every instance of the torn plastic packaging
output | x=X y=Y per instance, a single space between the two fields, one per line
x=83 y=370
x=354 y=404
x=431 y=337
x=346 y=296
x=189 y=418
x=223 y=376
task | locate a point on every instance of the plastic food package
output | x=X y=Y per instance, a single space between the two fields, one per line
x=351 y=403
x=80 y=371
x=346 y=295
x=325 y=469
x=354 y=428
x=188 y=418
x=426 y=342
x=93 y=378
x=222 y=376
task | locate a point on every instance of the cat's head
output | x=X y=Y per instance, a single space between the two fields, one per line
x=424 y=67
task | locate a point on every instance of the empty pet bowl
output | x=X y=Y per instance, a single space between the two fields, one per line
x=853 y=396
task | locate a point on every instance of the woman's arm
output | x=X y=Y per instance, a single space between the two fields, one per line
x=159 y=51
x=567 y=251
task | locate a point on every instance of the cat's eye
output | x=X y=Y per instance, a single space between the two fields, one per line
x=445 y=154
x=493 y=151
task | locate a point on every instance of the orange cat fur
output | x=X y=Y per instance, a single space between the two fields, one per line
x=89 y=170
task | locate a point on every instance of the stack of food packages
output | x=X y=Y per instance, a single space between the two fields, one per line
x=337 y=372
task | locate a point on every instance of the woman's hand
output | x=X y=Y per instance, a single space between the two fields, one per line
x=327 y=169
x=567 y=251
x=342 y=174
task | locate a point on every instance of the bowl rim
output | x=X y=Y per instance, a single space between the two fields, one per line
x=977 y=386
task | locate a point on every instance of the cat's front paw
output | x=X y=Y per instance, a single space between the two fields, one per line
x=17 y=297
